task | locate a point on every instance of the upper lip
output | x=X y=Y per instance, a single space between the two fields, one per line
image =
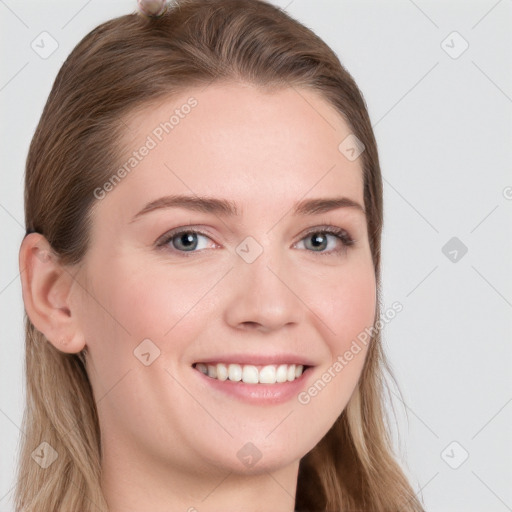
x=257 y=359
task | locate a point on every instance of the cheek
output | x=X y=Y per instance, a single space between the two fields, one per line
x=349 y=304
x=348 y=310
x=133 y=300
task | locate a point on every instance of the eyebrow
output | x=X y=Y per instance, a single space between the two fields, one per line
x=227 y=208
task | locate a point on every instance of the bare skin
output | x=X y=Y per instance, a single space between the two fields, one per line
x=169 y=440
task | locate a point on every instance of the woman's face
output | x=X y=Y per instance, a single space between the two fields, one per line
x=266 y=286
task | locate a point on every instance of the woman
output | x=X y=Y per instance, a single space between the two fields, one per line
x=241 y=372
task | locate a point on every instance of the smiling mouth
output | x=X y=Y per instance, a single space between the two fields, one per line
x=252 y=374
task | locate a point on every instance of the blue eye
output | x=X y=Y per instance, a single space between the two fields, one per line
x=319 y=237
x=185 y=240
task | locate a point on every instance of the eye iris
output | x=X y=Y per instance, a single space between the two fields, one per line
x=188 y=237
x=316 y=237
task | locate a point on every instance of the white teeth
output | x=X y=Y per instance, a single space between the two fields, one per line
x=250 y=374
x=268 y=375
x=282 y=373
x=222 y=371
x=291 y=372
x=235 y=372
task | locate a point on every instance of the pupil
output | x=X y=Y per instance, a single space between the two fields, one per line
x=187 y=238
x=316 y=238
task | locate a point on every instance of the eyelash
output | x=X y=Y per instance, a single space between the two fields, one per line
x=342 y=234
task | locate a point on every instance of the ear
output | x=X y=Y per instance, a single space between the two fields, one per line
x=46 y=288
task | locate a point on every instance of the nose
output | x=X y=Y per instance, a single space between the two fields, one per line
x=262 y=294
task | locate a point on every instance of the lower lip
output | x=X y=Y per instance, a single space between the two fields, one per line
x=259 y=393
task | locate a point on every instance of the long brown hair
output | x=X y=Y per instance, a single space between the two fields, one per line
x=121 y=66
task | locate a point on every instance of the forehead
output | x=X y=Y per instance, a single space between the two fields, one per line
x=263 y=148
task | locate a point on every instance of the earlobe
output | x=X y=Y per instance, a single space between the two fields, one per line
x=46 y=287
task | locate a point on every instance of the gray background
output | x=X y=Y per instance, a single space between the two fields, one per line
x=443 y=122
